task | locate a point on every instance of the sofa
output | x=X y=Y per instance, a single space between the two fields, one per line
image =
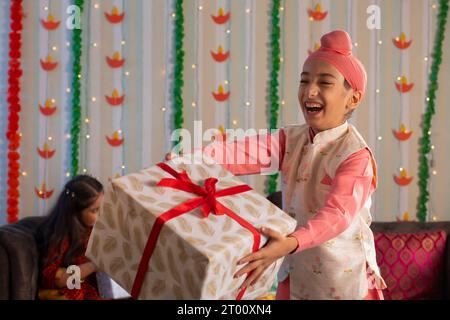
x=414 y=257
x=393 y=240
x=19 y=260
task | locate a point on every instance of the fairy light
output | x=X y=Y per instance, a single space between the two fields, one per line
x=46 y=8
x=246 y=67
x=50 y=138
x=79 y=76
x=67 y=174
x=283 y=102
x=226 y=82
x=194 y=66
x=54 y=48
x=380 y=138
x=235 y=122
x=163 y=109
x=200 y=8
x=96 y=6
x=24 y=173
x=86 y=120
x=84 y=170
x=428 y=99
x=228 y=31
x=68 y=90
x=432 y=147
x=53 y=100
x=127 y=73
x=434 y=172
x=247 y=11
x=281 y=8
x=425 y=58
x=68 y=136
x=355 y=44
x=123 y=167
x=377 y=91
x=67 y=44
x=194 y=104
x=123 y=42
x=174 y=15
x=399 y=78
x=94 y=44
x=94 y=99
x=380 y=42
x=88 y=136
x=248 y=103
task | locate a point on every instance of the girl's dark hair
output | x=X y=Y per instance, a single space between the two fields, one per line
x=64 y=219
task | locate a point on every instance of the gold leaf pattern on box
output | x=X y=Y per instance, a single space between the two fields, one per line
x=227 y=255
x=138 y=238
x=196 y=241
x=126 y=278
x=202 y=172
x=157 y=260
x=189 y=278
x=166 y=205
x=179 y=199
x=159 y=286
x=123 y=227
x=279 y=223
x=230 y=205
x=272 y=209
x=108 y=215
x=183 y=253
x=228 y=183
x=159 y=190
x=134 y=267
x=211 y=288
x=147 y=226
x=223 y=173
x=126 y=249
x=147 y=199
x=206 y=229
x=216 y=247
x=176 y=290
x=136 y=184
x=172 y=266
x=184 y=225
x=113 y=196
x=109 y=245
x=121 y=185
x=183 y=167
x=212 y=218
x=117 y=264
x=132 y=213
x=252 y=211
x=234 y=284
x=228 y=224
x=252 y=199
x=99 y=225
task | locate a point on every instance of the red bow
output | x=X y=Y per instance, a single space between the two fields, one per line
x=207 y=199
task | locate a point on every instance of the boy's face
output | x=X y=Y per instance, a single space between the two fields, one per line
x=323 y=97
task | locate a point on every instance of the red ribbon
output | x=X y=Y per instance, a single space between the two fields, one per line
x=206 y=199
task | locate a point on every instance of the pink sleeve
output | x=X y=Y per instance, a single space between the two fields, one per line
x=350 y=189
x=254 y=154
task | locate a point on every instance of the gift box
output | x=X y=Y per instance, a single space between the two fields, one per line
x=176 y=231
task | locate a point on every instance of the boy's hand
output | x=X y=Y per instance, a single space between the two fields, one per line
x=277 y=247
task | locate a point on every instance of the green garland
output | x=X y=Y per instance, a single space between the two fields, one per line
x=76 y=92
x=272 y=181
x=424 y=172
x=178 y=81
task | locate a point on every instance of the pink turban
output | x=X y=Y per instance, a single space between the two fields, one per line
x=336 y=49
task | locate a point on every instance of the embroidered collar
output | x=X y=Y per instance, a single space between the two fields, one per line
x=328 y=135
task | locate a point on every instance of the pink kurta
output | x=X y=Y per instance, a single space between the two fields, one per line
x=340 y=208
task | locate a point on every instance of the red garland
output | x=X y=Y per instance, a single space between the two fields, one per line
x=12 y=134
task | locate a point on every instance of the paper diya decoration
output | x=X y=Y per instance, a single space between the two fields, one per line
x=45 y=153
x=403 y=134
x=49 y=109
x=48 y=64
x=50 y=23
x=403 y=179
x=220 y=56
x=317 y=14
x=403 y=86
x=401 y=42
x=115 y=99
x=221 y=95
x=221 y=18
x=115 y=61
x=316 y=47
x=115 y=17
x=405 y=217
x=43 y=193
x=115 y=140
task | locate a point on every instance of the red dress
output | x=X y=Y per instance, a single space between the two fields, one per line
x=48 y=288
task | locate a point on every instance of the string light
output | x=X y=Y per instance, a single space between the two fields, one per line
x=235 y=122
x=248 y=103
x=46 y=8
x=94 y=99
x=123 y=42
x=283 y=102
x=50 y=138
x=226 y=82
x=426 y=58
x=163 y=109
x=380 y=42
x=246 y=67
x=356 y=44
x=123 y=166
x=54 y=48
x=94 y=44
x=24 y=174
x=377 y=91
x=173 y=15
x=67 y=44
x=200 y=8
x=68 y=90
x=84 y=170
x=88 y=136
x=67 y=174
x=127 y=73
x=68 y=136
x=193 y=104
x=380 y=138
x=434 y=172
x=228 y=31
x=86 y=120
x=96 y=6
x=247 y=11
x=193 y=66
x=432 y=147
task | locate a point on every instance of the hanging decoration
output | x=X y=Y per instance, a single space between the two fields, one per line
x=115 y=140
x=115 y=99
x=221 y=17
x=221 y=95
x=401 y=42
x=274 y=104
x=220 y=56
x=76 y=95
x=13 y=135
x=48 y=64
x=43 y=193
x=48 y=109
x=50 y=24
x=115 y=16
x=403 y=179
x=402 y=85
x=403 y=134
x=115 y=61
x=178 y=81
x=317 y=14
x=424 y=141
x=45 y=152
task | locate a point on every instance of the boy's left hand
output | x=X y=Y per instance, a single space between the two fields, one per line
x=277 y=247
